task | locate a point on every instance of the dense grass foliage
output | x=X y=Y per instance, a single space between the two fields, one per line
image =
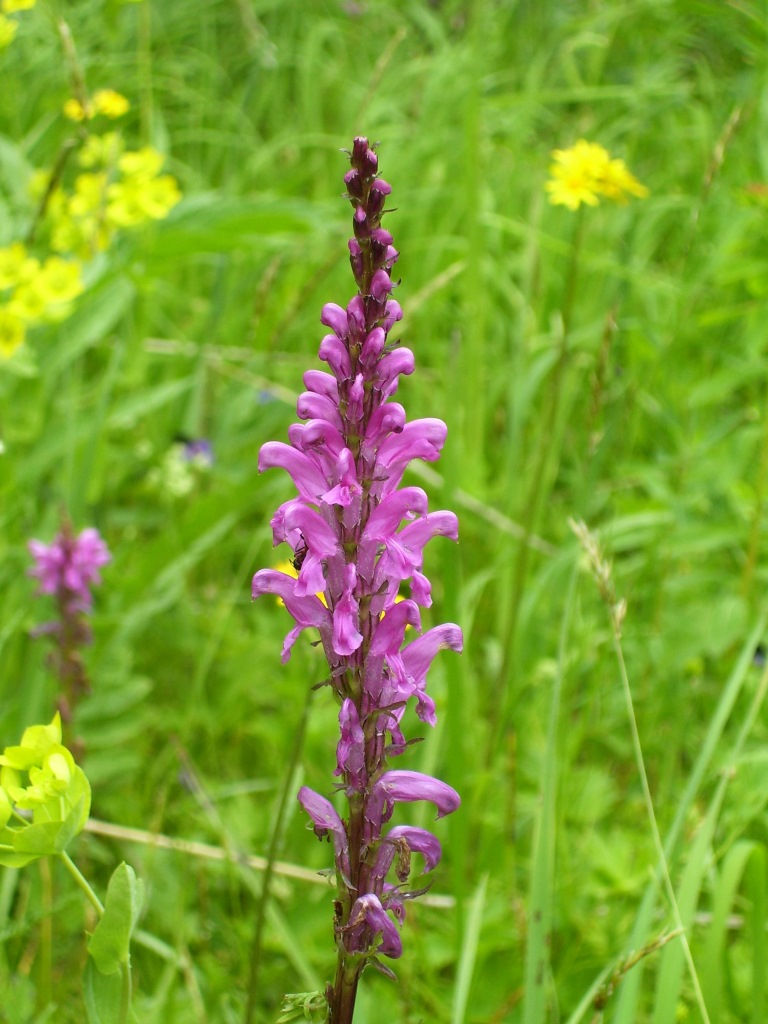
x=607 y=365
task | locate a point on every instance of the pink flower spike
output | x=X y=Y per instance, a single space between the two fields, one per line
x=70 y=565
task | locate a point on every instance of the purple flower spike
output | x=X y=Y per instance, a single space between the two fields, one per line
x=357 y=537
x=68 y=568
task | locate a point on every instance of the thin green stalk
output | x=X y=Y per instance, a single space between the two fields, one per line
x=82 y=883
x=761 y=484
x=617 y=610
x=125 y=993
x=537 y=964
x=125 y=968
x=45 y=961
x=541 y=462
x=277 y=831
x=144 y=63
x=657 y=842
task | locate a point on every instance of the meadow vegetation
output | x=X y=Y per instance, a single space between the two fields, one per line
x=606 y=364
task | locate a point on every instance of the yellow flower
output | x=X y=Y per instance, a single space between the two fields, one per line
x=100 y=150
x=618 y=180
x=27 y=302
x=141 y=163
x=12 y=260
x=59 y=280
x=11 y=6
x=8 y=30
x=585 y=172
x=89 y=194
x=134 y=200
x=75 y=111
x=12 y=332
x=110 y=103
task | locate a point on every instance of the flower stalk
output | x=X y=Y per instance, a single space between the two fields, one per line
x=67 y=569
x=357 y=536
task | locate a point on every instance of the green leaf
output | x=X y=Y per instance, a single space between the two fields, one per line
x=103 y=996
x=97 y=313
x=40 y=840
x=211 y=224
x=110 y=943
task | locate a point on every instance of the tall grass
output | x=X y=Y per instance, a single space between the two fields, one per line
x=636 y=402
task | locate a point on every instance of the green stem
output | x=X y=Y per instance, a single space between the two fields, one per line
x=82 y=883
x=125 y=968
x=341 y=1009
x=541 y=463
x=46 y=936
x=753 y=546
x=258 y=933
x=125 y=995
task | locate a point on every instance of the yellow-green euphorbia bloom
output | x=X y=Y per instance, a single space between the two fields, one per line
x=40 y=776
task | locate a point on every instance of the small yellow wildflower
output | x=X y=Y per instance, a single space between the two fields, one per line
x=110 y=103
x=11 y=6
x=89 y=194
x=133 y=200
x=8 y=30
x=27 y=302
x=59 y=280
x=100 y=150
x=141 y=163
x=12 y=332
x=618 y=180
x=585 y=172
x=12 y=260
x=76 y=111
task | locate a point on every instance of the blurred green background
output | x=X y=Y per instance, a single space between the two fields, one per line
x=608 y=365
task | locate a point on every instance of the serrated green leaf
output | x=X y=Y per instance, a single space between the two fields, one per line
x=110 y=943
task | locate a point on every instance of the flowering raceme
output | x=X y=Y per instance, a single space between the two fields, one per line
x=67 y=569
x=357 y=536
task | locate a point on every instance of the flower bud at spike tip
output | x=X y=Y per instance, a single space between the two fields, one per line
x=357 y=540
